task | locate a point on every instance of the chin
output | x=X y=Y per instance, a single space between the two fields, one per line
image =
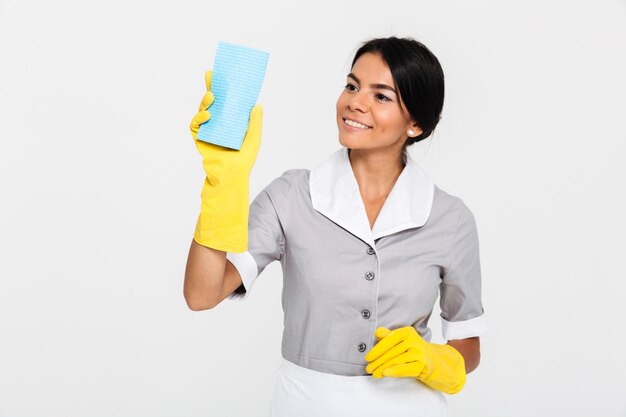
x=349 y=143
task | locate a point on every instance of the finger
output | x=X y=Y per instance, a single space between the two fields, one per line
x=387 y=356
x=207 y=100
x=207 y=79
x=406 y=369
x=385 y=344
x=382 y=332
x=198 y=119
x=404 y=358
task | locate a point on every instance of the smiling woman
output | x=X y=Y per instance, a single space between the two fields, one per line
x=402 y=85
x=367 y=243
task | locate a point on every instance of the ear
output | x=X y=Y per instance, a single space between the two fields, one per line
x=416 y=130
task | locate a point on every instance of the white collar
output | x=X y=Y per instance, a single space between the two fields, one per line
x=335 y=194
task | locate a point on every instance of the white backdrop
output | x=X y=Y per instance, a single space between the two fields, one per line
x=101 y=183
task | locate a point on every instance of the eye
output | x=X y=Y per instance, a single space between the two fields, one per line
x=383 y=98
x=350 y=87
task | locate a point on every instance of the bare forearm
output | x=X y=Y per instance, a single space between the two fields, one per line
x=470 y=350
x=204 y=276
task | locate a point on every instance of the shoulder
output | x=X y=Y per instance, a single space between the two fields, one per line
x=451 y=207
x=287 y=193
x=288 y=188
x=288 y=182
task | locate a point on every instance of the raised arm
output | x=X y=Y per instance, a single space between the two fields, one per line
x=222 y=225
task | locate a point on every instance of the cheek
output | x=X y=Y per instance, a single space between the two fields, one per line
x=390 y=120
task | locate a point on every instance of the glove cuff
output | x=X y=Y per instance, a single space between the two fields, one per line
x=223 y=220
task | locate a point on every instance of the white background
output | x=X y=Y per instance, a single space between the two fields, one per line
x=100 y=188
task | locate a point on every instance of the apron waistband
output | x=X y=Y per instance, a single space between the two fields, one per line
x=310 y=376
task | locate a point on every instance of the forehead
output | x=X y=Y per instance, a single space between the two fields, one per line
x=371 y=67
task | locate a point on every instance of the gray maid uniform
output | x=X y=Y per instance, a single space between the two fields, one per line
x=342 y=280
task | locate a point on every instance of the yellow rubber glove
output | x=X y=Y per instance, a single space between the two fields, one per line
x=223 y=220
x=403 y=353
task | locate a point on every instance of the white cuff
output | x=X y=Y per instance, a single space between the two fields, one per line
x=463 y=329
x=246 y=265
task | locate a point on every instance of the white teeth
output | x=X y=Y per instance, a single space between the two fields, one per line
x=355 y=124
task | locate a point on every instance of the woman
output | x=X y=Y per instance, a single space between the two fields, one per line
x=366 y=242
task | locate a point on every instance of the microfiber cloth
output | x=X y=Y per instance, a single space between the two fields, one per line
x=238 y=73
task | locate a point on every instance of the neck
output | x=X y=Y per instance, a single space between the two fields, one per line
x=375 y=171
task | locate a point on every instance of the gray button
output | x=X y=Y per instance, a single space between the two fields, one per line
x=365 y=314
x=362 y=347
x=370 y=250
x=369 y=275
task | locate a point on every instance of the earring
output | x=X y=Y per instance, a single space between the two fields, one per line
x=411 y=132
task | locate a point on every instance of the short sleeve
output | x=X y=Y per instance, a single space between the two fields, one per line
x=462 y=312
x=266 y=239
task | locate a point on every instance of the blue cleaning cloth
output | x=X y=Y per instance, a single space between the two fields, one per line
x=238 y=73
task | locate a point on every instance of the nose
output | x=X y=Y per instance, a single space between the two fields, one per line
x=357 y=103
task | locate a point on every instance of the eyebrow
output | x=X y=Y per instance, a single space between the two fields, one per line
x=381 y=86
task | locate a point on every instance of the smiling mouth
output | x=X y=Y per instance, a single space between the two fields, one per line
x=354 y=124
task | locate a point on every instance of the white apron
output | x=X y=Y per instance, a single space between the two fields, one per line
x=301 y=392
